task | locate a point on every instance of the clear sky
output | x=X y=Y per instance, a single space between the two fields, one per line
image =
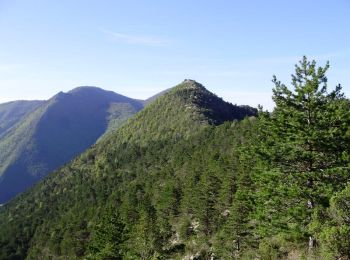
x=138 y=47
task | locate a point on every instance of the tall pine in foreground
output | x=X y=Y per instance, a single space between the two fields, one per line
x=305 y=146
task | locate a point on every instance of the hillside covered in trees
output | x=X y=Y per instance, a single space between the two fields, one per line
x=194 y=177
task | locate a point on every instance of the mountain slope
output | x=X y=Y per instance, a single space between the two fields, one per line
x=180 y=112
x=154 y=97
x=13 y=112
x=56 y=132
x=141 y=169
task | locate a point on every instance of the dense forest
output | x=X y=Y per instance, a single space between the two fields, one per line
x=193 y=177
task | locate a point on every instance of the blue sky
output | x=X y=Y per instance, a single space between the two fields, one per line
x=138 y=47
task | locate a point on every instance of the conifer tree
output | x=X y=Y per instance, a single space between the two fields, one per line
x=144 y=241
x=306 y=139
x=207 y=211
x=108 y=237
x=236 y=233
x=238 y=229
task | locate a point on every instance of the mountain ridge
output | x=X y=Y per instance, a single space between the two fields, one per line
x=117 y=164
x=56 y=131
x=14 y=111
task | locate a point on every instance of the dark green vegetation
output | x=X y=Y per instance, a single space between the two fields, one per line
x=38 y=137
x=187 y=177
x=142 y=169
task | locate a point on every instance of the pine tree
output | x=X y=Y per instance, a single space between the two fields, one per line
x=144 y=239
x=306 y=138
x=108 y=237
x=234 y=237
x=207 y=211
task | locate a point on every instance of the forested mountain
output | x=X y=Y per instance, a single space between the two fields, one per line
x=193 y=177
x=143 y=163
x=13 y=112
x=154 y=97
x=40 y=136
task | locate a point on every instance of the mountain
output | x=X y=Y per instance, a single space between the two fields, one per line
x=194 y=177
x=154 y=97
x=150 y=171
x=13 y=112
x=44 y=135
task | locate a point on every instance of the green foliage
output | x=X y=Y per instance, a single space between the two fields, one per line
x=107 y=237
x=187 y=180
x=332 y=227
x=152 y=169
x=304 y=147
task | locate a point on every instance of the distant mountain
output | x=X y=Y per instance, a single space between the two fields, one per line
x=154 y=97
x=40 y=136
x=13 y=112
x=148 y=170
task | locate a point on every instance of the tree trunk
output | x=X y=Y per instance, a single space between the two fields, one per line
x=311 y=243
